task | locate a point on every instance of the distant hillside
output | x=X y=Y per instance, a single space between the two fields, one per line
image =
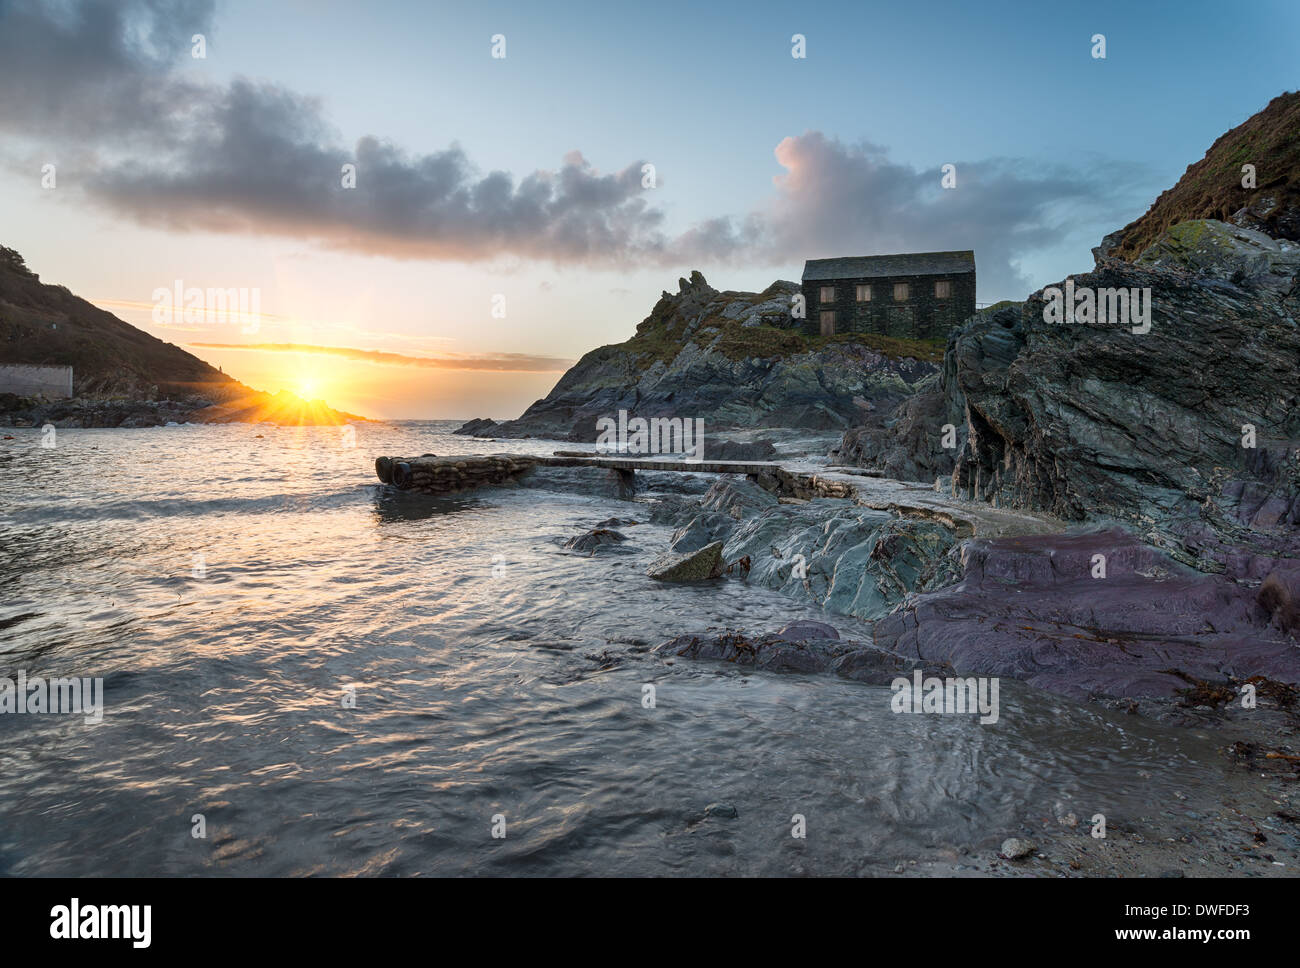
x=44 y=324
x=47 y=324
x=1211 y=188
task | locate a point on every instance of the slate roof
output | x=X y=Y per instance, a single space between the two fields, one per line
x=884 y=266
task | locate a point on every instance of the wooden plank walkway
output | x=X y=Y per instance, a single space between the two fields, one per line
x=748 y=467
x=801 y=480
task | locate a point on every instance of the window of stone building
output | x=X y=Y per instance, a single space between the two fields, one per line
x=828 y=293
x=900 y=292
x=828 y=323
x=864 y=294
x=942 y=289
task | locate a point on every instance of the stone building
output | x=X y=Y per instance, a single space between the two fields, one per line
x=920 y=295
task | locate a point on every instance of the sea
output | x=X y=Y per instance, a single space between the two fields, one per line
x=304 y=672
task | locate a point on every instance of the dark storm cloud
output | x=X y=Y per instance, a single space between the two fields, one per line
x=101 y=69
x=253 y=158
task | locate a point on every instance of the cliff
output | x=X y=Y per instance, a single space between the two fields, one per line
x=122 y=376
x=734 y=359
x=1213 y=188
x=1189 y=432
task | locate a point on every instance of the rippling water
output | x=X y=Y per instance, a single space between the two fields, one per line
x=476 y=695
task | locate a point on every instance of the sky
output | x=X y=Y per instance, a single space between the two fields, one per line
x=502 y=222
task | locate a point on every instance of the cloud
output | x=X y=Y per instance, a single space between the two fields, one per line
x=256 y=158
x=503 y=362
x=96 y=69
x=852 y=199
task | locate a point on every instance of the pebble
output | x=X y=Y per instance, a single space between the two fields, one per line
x=1013 y=848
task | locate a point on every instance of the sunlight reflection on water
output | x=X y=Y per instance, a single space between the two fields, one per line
x=475 y=696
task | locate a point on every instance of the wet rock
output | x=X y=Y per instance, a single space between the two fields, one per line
x=802 y=647
x=734 y=450
x=594 y=541
x=808 y=629
x=1030 y=608
x=592 y=481
x=736 y=497
x=701 y=530
x=1279 y=595
x=1087 y=420
x=478 y=427
x=1221 y=251
x=691 y=566
x=1015 y=848
x=93 y=412
x=450 y=475
x=908 y=443
x=848 y=559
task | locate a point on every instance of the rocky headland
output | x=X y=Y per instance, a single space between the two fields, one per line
x=734 y=360
x=122 y=376
x=1103 y=507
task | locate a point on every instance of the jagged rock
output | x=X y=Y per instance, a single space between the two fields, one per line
x=594 y=540
x=908 y=444
x=701 y=530
x=690 y=566
x=1108 y=246
x=1270 y=215
x=478 y=427
x=1223 y=251
x=731 y=359
x=736 y=497
x=735 y=450
x=1279 y=596
x=1132 y=623
x=1189 y=432
x=848 y=559
x=1085 y=420
x=1214 y=187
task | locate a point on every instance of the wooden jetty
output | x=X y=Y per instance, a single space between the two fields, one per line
x=797 y=480
x=445 y=475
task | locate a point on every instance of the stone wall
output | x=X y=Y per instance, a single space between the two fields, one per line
x=922 y=316
x=51 y=382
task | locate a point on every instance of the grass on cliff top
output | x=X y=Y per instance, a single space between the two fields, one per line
x=738 y=343
x=1211 y=188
